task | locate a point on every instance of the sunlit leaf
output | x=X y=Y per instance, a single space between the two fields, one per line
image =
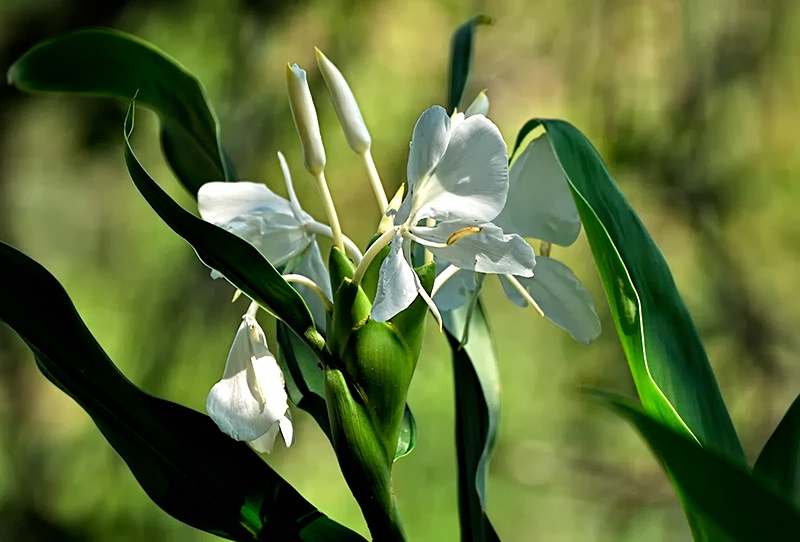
x=182 y=460
x=477 y=390
x=779 y=461
x=667 y=360
x=238 y=261
x=100 y=62
x=461 y=50
x=720 y=492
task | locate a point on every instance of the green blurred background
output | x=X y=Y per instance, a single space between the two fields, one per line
x=694 y=106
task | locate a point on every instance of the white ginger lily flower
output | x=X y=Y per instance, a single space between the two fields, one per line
x=279 y=228
x=540 y=205
x=457 y=176
x=250 y=402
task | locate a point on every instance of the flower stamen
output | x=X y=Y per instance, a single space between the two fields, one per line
x=524 y=293
x=462 y=233
x=311 y=285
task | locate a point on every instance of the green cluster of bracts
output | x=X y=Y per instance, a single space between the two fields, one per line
x=366 y=385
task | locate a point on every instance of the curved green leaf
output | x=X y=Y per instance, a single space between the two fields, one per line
x=779 y=461
x=477 y=389
x=221 y=486
x=239 y=261
x=716 y=489
x=669 y=365
x=461 y=49
x=100 y=62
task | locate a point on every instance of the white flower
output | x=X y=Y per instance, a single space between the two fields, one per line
x=279 y=228
x=250 y=402
x=457 y=176
x=540 y=205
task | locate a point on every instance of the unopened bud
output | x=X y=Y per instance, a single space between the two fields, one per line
x=479 y=106
x=305 y=119
x=355 y=131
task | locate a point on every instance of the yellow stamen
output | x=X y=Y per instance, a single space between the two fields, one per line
x=463 y=232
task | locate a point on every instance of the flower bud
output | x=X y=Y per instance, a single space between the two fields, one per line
x=355 y=131
x=305 y=119
x=479 y=106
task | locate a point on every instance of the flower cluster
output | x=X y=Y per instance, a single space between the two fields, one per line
x=463 y=209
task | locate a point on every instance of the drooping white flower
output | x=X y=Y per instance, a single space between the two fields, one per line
x=250 y=402
x=458 y=176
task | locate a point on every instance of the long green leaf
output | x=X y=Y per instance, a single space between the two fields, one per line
x=239 y=261
x=112 y=64
x=219 y=485
x=669 y=365
x=477 y=390
x=461 y=51
x=722 y=492
x=779 y=461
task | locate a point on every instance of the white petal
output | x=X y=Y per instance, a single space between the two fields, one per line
x=266 y=442
x=540 y=203
x=250 y=398
x=428 y=144
x=471 y=179
x=562 y=298
x=313 y=267
x=258 y=215
x=489 y=251
x=398 y=284
x=219 y=202
x=456 y=291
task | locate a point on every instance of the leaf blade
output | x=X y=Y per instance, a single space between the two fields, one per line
x=112 y=64
x=246 y=500
x=714 y=488
x=477 y=397
x=667 y=360
x=461 y=53
x=239 y=261
x=779 y=460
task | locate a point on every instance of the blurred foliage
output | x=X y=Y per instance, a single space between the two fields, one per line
x=692 y=104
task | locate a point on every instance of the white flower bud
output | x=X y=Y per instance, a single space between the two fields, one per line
x=305 y=119
x=479 y=106
x=355 y=131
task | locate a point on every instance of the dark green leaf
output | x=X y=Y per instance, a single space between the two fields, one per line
x=179 y=456
x=779 y=461
x=305 y=382
x=107 y=63
x=477 y=388
x=239 y=261
x=667 y=360
x=461 y=48
x=720 y=491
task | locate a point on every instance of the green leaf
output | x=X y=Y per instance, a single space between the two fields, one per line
x=477 y=389
x=461 y=50
x=779 y=461
x=112 y=64
x=239 y=261
x=408 y=435
x=305 y=382
x=720 y=491
x=221 y=486
x=669 y=365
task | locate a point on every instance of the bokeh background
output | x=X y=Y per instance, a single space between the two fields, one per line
x=694 y=106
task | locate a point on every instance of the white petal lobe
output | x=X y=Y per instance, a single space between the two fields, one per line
x=540 y=203
x=562 y=298
x=398 y=284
